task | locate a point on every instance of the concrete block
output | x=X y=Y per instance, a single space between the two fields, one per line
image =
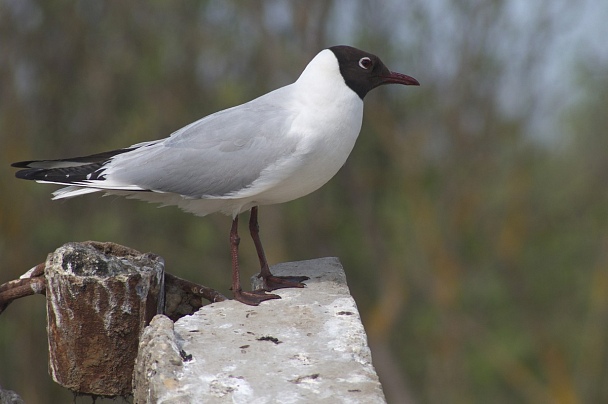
x=309 y=346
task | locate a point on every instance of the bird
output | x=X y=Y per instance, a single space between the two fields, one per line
x=276 y=148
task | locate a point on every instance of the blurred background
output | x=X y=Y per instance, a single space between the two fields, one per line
x=471 y=218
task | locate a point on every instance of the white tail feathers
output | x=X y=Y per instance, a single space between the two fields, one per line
x=72 y=191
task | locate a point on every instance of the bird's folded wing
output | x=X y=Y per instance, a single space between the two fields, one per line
x=218 y=156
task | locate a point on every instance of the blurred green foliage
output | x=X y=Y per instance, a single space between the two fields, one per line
x=472 y=217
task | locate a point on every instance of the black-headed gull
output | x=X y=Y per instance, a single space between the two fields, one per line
x=273 y=149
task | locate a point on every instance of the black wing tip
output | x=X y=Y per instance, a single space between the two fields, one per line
x=45 y=170
x=28 y=174
x=93 y=158
x=22 y=164
x=61 y=175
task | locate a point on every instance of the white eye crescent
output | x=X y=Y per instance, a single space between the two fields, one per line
x=365 y=63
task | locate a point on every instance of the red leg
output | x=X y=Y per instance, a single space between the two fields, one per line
x=271 y=282
x=251 y=298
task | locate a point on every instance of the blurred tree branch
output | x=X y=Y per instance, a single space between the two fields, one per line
x=32 y=282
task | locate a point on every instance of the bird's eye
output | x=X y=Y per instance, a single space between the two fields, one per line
x=365 y=63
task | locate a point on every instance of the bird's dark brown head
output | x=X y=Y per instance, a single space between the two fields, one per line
x=363 y=71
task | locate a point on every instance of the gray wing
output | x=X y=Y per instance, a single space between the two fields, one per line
x=216 y=156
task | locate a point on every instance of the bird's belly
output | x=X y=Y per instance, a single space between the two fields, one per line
x=305 y=181
x=325 y=146
x=315 y=169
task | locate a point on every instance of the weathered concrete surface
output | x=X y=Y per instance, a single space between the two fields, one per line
x=100 y=296
x=310 y=346
x=158 y=362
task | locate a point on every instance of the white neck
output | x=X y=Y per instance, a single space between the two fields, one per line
x=321 y=80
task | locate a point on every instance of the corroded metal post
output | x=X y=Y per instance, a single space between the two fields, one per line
x=100 y=296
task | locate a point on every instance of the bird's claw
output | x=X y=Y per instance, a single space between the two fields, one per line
x=255 y=297
x=280 y=282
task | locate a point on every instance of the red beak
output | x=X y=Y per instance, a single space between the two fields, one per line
x=398 y=78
